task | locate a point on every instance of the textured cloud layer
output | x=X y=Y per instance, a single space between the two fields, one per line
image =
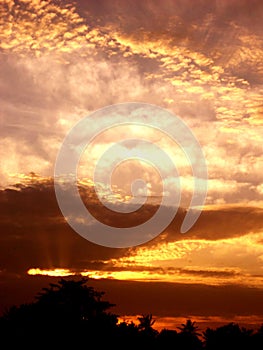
x=200 y=60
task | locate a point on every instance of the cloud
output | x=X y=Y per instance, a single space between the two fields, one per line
x=200 y=60
x=60 y=62
x=224 y=246
x=217 y=273
x=37 y=235
x=57 y=57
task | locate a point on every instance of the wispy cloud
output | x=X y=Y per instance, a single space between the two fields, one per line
x=60 y=62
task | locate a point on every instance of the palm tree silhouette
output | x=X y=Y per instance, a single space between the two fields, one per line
x=188 y=337
x=146 y=322
x=189 y=328
x=147 y=334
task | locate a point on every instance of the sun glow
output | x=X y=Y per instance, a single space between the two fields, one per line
x=95 y=274
x=224 y=261
x=52 y=273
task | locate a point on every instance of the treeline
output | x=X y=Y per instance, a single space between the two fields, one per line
x=72 y=314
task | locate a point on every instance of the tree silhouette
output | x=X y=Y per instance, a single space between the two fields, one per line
x=72 y=300
x=227 y=337
x=127 y=333
x=147 y=334
x=146 y=322
x=68 y=307
x=189 y=328
x=71 y=314
x=168 y=339
x=257 y=339
x=189 y=336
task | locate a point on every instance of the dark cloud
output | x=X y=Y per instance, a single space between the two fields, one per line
x=227 y=222
x=35 y=234
x=213 y=28
x=217 y=224
x=189 y=10
x=206 y=273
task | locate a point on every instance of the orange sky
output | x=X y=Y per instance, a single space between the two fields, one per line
x=200 y=60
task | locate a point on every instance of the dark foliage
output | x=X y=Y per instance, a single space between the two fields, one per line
x=71 y=314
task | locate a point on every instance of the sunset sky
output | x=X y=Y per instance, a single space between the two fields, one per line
x=200 y=60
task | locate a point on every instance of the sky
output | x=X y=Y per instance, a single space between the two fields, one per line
x=199 y=60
